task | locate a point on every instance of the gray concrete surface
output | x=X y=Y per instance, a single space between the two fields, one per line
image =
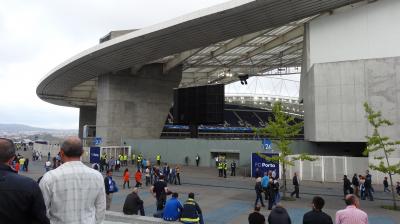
x=87 y=116
x=119 y=217
x=230 y=200
x=333 y=101
x=134 y=105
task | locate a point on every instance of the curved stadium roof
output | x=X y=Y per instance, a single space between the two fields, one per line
x=215 y=44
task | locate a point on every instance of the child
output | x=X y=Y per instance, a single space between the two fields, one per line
x=126 y=178
x=17 y=167
x=138 y=178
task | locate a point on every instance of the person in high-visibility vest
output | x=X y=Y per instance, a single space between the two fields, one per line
x=191 y=212
x=126 y=160
x=139 y=161
x=158 y=158
x=225 y=166
x=133 y=158
x=220 y=169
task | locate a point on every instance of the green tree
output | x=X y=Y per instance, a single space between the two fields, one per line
x=382 y=146
x=282 y=128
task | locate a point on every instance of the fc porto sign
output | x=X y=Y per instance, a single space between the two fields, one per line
x=94 y=154
x=263 y=165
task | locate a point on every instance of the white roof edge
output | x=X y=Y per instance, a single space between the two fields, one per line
x=150 y=29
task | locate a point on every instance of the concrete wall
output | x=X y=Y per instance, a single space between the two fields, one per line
x=87 y=116
x=336 y=93
x=364 y=32
x=175 y=150
x=121 y=218
x=134 y=105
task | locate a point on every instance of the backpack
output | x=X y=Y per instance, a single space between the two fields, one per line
x=113 y=186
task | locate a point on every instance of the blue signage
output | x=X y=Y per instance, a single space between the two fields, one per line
x=264 y=165
x=97 y=141
x=94 y=154
x=267 y=144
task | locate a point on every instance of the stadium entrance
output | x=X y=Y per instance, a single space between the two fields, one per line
x=223 y=154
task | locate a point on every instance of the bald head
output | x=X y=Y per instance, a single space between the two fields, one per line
x=351 y=199
x=7 y=150
x=72 y=147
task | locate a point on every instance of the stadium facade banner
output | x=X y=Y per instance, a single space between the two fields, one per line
x=267 y=144
x=263 y=165
x=94 y=154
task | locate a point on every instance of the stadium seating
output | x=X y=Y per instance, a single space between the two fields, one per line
x=240 y=122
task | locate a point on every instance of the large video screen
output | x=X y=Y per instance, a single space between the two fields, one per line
x=199 y=105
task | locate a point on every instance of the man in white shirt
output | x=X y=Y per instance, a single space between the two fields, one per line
x=73 y=193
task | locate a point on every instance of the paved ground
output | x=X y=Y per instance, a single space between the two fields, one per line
x=230 y=200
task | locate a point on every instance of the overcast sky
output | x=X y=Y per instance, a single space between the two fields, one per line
x=37 y=35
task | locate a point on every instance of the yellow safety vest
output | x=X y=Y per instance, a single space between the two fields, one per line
x=220 y=166
x=158 y=157
x=125 y=158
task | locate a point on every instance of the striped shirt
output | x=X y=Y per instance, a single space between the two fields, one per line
x=74 y=193
x=351 y=215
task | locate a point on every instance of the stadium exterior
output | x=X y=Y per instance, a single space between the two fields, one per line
x=348 y=51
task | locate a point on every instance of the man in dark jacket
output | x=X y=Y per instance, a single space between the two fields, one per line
x=191 y=212
x=133 y=204
x=296 y=186
x=21 y=200
x=259 y=190
x=316 y=215
x=279 y=215
x=233 y=168
x=159 y=191
x=368 y=186
x=256 y=217
x=346 y=186
x=356 y=184
x=109 y=187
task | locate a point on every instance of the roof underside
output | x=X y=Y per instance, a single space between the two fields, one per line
x=215 y=45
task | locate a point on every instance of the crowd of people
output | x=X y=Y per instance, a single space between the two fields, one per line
x=351 y=214
x=54 y=197
x=222 y=166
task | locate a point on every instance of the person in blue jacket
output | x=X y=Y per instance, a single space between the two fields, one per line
x=173 y=208
x=265 y=185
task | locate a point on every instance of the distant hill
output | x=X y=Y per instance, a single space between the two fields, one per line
x=15 y=129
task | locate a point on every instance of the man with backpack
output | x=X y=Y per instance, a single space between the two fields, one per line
x=110 y=188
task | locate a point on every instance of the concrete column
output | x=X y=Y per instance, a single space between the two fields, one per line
x=87 y=116
x=134 y=105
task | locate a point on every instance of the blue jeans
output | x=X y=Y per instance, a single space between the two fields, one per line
x=277 y=198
